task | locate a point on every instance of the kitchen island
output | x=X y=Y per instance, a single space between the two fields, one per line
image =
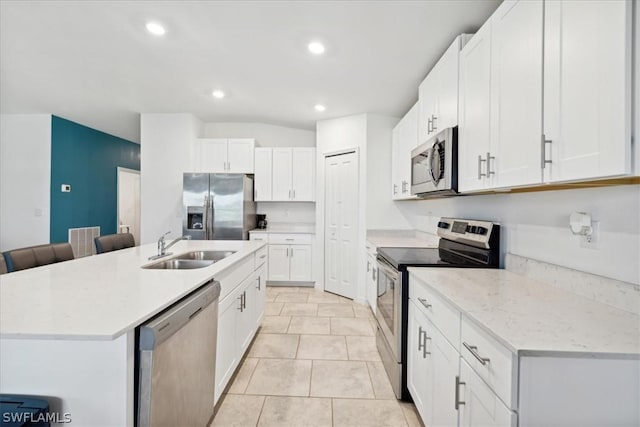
x=67 y=330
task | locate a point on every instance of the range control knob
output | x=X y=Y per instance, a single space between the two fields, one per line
x=443 y=224
x=471 y=229
x=481 y=230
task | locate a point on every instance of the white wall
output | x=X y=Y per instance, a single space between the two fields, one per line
x=288 y=212
x=266 y=135
x=165 y=154
x=25 y=179
x=535 y=225
x=382 y=213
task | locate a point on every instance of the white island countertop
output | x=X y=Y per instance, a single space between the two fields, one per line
x=533 y=318
x=103 y=296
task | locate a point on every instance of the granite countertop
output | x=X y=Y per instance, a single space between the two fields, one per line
x=533 y=318
x=401 y=239
x=287 y=228
x=104 y=296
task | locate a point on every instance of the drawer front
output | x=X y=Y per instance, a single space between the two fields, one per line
x=492 y=361
x=262 y=237
x=290 y=239
x=443 y=315
x=261 y=256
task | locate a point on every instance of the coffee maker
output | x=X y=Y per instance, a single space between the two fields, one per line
x=262 y=221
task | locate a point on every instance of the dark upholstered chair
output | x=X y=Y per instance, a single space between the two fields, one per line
x=114 y=242
x=35 y=256
x=3 y=264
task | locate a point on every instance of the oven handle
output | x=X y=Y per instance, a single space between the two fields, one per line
x=388 y=270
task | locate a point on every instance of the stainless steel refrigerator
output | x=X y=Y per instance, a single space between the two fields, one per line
x=218 y=206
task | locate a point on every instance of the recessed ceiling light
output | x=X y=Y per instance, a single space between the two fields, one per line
x=316 y=48
x=155 y=28
x=320 y=108
x=217 y=94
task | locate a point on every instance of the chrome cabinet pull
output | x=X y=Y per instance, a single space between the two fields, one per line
x=543 y=150
x=489 y=158
x=421 y=344
x=291 y=252
x=457 y=397
x=474 y=350
x=429 y=126
x=241 y=307
x=294 y=193
x=228 y=166
x=480 y=160
x=375 y=274
x=433 y=123
x=258 y=280
x=287 y=252
x=368 y=266
x=424 y=303
x=289 y=240
x=424 y=347
x=244 y=300
x=395 y=188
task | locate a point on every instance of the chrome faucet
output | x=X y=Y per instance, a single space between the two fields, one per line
x=163 y=246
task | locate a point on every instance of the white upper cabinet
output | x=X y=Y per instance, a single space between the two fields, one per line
x=286 y=174
x=263 y=173
x=438 y=93
x=404 y=139
x=474 y=139
x=587 y=93
x=516 y=93
x=217 y=155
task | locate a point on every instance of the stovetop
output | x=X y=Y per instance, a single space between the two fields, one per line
x=401 y=258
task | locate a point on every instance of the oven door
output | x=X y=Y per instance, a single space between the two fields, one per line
x=389 y=306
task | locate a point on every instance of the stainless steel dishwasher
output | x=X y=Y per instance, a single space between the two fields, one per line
x=177 y=357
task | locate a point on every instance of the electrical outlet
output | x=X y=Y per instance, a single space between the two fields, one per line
x=592 y=241
x=65 y=188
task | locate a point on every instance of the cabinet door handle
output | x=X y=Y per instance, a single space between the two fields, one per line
x=433 y=123
x=421 y=344
x=489 y=158
x=368 y=266
x=291 y=252
x=240 y=298
x=543 y=149
x=287 y=252
x=457 y=397
x=429 y=124
x=294 y=193
x=244 y=300
x=289 y=240
x=263 y=256
x=480 y=160
x=289 y=194
x=395 y=188
x=375 y=274
x=424 y=303
x=255 y=194
x=474 y=351
x=258 y=280
x=424 y=345
x=228 y=166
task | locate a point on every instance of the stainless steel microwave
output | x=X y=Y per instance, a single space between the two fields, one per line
x=434 y=165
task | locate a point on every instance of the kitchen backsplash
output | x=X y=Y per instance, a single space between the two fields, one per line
x=290 y=212
x=622 y=295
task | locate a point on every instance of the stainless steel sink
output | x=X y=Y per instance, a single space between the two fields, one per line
x=179 y=264
x=205 y=255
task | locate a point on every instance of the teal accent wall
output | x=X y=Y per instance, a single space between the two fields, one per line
x=86 y=159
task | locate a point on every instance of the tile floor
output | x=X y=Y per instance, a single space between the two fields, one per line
x=313 y=362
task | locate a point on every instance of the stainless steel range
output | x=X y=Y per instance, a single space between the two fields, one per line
x=463 y=244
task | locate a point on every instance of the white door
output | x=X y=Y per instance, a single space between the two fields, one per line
x=303 y=173
x=282 y=174
x=481 y=407
x=128 y=215
x=474 y=138
x=240 y=155
x=586 y=89
x=341 y=224
x=419 y=364
x=213 y=155
x=300 y=263
x=262 y=179
x=279 y=262
x=516 y=93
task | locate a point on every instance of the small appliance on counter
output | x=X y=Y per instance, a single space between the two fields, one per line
x=218 y=206
x=463 y=244
x=262 y=221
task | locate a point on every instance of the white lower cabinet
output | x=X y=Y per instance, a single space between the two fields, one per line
x=479 y=405
x=290 y=256
x=372 y=281
x=239 y=315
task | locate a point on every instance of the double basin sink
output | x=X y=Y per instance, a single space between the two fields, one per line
x=190 y=260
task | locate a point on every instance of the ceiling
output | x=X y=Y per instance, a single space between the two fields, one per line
x=93 y=62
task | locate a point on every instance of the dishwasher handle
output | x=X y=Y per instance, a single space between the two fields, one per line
x=161 y=327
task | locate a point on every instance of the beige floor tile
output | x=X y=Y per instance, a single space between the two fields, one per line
x=277 y=289
x=309 y=290
x=362 y=348
x=273 y=308
x=362 y=311
x=278 y=346
x=335 y=310
x=238 y=410
x=327 y=298
x=411 y=414
x=296 y=411
x=275 y=324
x=292 y=297
x=241 y=380
x=326 y=347
x=310 y=325
x=351 y=326
x=358 y=412
x=281 y=377
x=340 y=379
x=380 y=381
x=299 y=309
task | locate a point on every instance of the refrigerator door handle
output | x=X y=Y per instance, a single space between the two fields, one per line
x=205 y=217
x=211 y=214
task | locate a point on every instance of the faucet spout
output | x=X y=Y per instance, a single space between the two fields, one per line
x=173 y=242
x=162 y=246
